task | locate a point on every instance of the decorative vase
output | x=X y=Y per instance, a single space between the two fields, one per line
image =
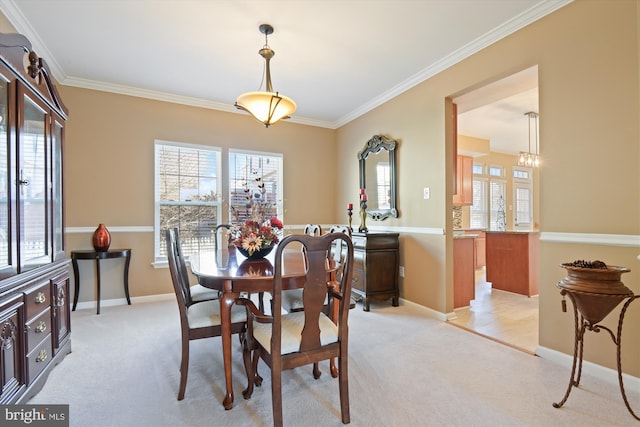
x=256 y=254
x=596 y=291
x=101 y=239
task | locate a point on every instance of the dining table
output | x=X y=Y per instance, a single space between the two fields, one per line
x=229 y=272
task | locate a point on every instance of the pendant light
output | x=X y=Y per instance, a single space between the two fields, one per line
x=269 y=106
x=529 y=158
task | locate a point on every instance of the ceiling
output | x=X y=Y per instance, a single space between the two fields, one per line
x=336 y=59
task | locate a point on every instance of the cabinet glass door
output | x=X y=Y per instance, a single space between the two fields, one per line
x=32 y=188
x=56 y=160
x=6 y=265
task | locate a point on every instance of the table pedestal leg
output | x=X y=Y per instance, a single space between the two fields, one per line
x=98 y=283
x=226 y=302
x=126 y=277
x=76 y=284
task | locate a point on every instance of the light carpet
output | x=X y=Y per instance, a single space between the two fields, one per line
x=405 y=369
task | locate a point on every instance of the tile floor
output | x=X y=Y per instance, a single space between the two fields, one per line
x=503 y=316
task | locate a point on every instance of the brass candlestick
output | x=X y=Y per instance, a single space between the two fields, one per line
x=363 y=216
x=350 y=214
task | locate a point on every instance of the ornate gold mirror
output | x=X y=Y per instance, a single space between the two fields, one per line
x=378 y=177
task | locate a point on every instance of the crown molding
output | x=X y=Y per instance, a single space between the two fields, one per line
x=527 y=17
x=545 y=7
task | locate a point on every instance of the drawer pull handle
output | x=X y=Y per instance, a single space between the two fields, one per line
x=40 y=298
x=42 y=326
x=42 y=356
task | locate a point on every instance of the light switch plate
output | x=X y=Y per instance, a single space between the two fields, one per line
x=427 y=193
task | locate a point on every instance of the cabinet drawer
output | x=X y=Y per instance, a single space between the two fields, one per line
x=37 y=299
x=38 y=359
x=38 y=329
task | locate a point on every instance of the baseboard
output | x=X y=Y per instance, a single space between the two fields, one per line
x=427 y=311
x=590 y=368
x=123 y=301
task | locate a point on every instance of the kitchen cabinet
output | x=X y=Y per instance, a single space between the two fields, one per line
x=480 y=244
x=376 y=267
x=512 y=261
x=34 y=269
x=464 y=180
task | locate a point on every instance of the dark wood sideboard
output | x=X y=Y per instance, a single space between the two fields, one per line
x=376 y=267
x=35 y=320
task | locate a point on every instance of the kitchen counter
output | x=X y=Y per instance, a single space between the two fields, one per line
x=465 y=236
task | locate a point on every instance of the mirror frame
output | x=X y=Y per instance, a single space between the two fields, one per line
x=373 y=146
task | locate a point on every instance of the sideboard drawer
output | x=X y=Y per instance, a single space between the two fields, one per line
x=37 y=299
x=38 y=359
x=38 y=329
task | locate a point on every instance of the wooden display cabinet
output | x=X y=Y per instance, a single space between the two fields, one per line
x=34 y=269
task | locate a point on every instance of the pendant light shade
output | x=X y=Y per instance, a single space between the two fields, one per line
x=269 y=106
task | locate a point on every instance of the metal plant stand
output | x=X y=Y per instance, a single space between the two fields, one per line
x=586 y=302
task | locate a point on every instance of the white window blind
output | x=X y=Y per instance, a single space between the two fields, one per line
x=254 y=175
x=479 y=214
x=187 y=195
x=523 y=206
x=497 y=211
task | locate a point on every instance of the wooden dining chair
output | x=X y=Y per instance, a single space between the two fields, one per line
x=198 y=319
x=197 y=292
x=287 y=341
x=292 y=299
x=220 y=231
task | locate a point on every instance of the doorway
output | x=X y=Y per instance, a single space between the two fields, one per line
x=495 y=115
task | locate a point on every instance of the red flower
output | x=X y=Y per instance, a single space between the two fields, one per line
x=276 y=223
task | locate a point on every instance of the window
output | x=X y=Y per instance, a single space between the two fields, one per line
x=497 y=213
x=520 y=174
x=479 y=211
x=523 y=199
x=257 y=175
x=496 y=171
x=187 y=195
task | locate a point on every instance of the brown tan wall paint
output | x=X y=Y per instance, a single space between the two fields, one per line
x=587 y=57
x=109 y=172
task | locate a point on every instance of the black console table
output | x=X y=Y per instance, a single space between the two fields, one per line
x=88 y=254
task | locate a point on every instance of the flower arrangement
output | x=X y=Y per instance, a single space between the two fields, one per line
x=253 y=236
x=261 y=229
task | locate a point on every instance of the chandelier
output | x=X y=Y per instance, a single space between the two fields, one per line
x=267 y=107
x=529 y=158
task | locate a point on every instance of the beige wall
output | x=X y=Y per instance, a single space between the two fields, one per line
x=587 y=57
x=587 y=54
x=109 y=175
